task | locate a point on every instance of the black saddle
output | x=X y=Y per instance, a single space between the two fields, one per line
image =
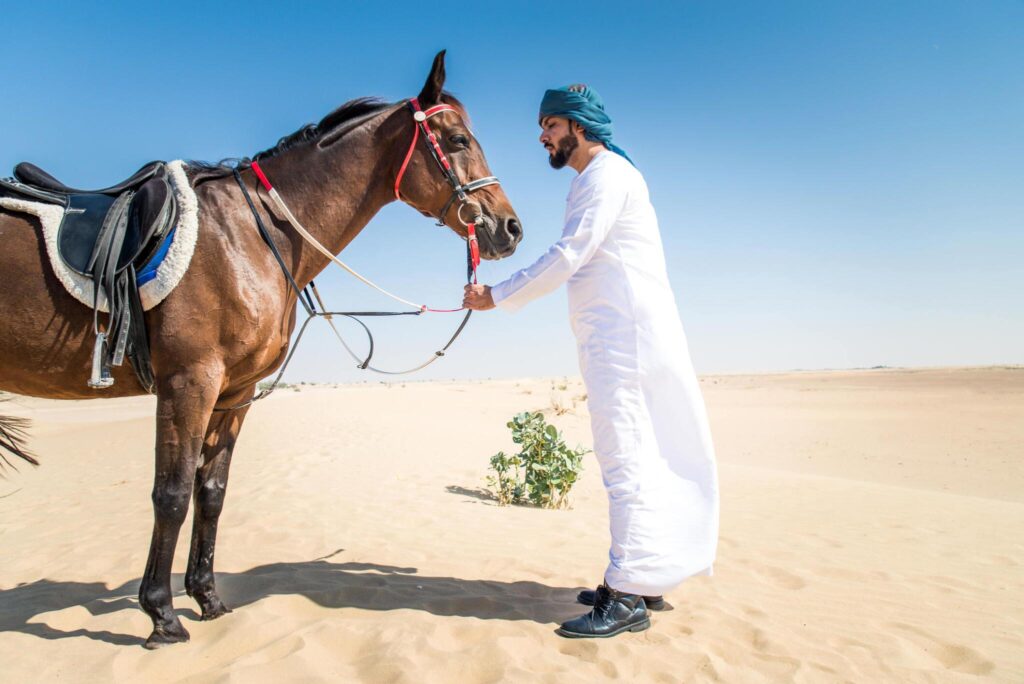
x=30 y=174
x=146 y=198
x=108 y=235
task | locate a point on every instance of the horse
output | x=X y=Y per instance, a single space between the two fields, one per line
x=228 y=323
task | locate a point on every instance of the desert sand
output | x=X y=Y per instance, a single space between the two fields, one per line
x=872 y=531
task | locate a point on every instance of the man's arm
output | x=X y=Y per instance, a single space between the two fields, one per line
x=586 y=227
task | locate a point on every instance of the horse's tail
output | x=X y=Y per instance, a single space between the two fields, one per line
x=12 y=439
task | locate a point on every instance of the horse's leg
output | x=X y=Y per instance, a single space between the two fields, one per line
x=184 y=405
x=210 y=485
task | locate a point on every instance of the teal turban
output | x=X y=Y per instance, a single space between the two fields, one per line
x=584 y=106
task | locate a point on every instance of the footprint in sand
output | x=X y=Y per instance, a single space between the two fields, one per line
x=587 y=651
x=1003 y=561
x=781 y=578
x=751 y=611
x=952 y=656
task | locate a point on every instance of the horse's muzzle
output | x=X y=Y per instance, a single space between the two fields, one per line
x=501 y=237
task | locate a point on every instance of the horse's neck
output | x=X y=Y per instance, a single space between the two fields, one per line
x=333 y=193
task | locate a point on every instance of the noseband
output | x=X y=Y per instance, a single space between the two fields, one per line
x=460 y=191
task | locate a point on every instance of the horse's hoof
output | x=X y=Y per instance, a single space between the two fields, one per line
x=215 y=611
x=165 y=637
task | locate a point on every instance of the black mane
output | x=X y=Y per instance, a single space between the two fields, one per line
x=200 y=171
x=347 y=112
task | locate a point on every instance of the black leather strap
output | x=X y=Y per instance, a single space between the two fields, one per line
x=463 y=195
x=306 y=302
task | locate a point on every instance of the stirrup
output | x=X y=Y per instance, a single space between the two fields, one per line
x=101 y=378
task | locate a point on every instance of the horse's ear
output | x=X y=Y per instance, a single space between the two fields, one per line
x=431 y=93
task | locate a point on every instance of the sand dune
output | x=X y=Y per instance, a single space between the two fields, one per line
x=871 y=531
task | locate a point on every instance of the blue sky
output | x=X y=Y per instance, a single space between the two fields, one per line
x=839 y=184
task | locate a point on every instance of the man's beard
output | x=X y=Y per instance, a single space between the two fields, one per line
x=563 y=150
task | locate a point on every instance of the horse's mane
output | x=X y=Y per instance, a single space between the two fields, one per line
x=311 y=132
x=200 y=171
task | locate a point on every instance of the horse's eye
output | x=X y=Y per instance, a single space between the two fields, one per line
x=459 y=139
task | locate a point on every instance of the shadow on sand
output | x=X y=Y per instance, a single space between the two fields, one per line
x=366 y=586
x=474 y=493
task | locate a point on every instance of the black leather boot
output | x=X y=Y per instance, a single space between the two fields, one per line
x=614 y=612
x=655 y=603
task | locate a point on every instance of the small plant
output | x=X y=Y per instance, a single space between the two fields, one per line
x=543 y=471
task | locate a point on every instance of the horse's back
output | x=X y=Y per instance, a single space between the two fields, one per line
x=224 y=316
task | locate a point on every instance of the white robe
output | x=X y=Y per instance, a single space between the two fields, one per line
x=650 y=427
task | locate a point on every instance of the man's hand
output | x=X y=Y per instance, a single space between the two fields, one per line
x=478 y=298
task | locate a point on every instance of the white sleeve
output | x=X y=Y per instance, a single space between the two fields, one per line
x=590 y=217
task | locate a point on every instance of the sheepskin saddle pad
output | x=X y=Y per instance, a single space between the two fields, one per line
x=148 y=222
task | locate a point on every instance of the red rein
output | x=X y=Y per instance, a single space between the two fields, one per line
x=422 y=118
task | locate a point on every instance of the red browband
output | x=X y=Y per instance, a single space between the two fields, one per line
x=436 y=109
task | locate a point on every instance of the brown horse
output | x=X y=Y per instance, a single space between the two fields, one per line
x=227 y=324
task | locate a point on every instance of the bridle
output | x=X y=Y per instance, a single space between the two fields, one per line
x=460 y=191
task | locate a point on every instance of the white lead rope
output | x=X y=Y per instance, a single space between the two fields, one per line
x=380 y=371
x=283 y=208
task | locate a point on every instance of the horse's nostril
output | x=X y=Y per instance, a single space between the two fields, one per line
x=513 y=228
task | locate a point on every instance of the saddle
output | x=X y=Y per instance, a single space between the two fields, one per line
x=111 y=236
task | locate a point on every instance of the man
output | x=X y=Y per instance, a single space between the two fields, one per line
x=650 y=428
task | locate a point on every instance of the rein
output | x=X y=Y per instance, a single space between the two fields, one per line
x=460 y=191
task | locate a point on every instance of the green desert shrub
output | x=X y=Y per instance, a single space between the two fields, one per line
x=543 y=471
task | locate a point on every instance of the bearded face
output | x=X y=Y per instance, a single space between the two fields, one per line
x=563 y=149
x=559 y=139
